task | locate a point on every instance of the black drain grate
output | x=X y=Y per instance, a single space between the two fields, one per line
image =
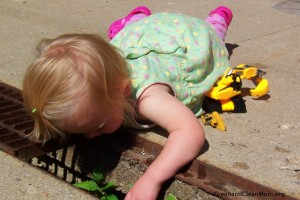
x=16 y=124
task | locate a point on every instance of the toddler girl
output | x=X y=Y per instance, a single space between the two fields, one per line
x=156 y=70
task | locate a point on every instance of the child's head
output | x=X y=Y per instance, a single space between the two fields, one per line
x=74 y=75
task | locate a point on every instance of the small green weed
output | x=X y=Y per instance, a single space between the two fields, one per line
x=104 y=191
x=97 y=186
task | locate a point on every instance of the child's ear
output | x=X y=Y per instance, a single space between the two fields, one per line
x=126 y=88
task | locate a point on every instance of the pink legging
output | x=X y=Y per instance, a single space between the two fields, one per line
x=215 y=20
x=219 y=25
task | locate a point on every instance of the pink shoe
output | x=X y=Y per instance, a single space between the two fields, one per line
x=224 y=12
x=118 y=25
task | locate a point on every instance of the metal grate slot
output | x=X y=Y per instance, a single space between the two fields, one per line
x=9 y=138
x=10 y=108
x=9 y=115
x=19 y=143
x=24 y=126
x=5 y=103
x=16 y=124
x=17 y=120
x=4 y=132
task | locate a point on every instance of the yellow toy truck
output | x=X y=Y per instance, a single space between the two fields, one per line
x=225 y=96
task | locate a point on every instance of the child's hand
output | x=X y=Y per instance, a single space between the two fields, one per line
x=144 y=189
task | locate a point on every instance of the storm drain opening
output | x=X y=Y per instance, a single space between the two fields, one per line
x=74 y=160
x=16 y=124
x=57 y=157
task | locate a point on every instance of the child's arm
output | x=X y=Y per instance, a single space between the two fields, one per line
x=186 y=137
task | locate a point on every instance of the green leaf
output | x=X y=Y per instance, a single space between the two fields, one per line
x=112 y=197
x=87 y=185
x=171 y=197
x=108 y=185
x=98 y=175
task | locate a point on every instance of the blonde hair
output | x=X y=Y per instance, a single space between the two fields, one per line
x=68 y=67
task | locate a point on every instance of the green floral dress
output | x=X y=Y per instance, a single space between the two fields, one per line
x=180 y=51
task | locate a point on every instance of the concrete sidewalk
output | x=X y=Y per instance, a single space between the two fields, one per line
x=261 y=145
